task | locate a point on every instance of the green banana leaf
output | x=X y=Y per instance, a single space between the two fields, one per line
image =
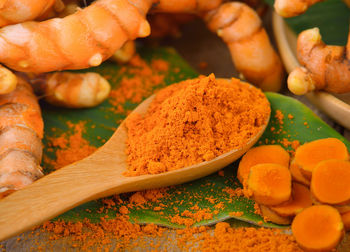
x=205 y=193
x=331 y=16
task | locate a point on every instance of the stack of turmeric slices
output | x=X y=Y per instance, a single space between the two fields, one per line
x=311 y=191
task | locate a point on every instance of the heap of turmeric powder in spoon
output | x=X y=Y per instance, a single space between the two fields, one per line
x=194 y=121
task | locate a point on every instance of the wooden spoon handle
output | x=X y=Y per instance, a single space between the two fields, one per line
x=56 y=193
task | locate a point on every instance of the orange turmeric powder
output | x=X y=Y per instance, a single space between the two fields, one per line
x=71 y=147
x=194 y=121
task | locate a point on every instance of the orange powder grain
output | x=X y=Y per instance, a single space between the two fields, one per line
x=279 y=116
x=193 y=121
x=71 y=147
x=226 y=238
x=236 y=214
x=142 y=79
x=238 y=192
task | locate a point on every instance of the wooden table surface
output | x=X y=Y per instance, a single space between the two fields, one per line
x=196 y=45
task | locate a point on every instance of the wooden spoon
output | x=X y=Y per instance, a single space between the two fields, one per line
x=98 y=175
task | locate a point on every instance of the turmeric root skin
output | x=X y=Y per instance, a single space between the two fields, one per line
x=99 y=30
x=71 y=90
x=292 y=8
x=325 y=67
x=95 y=33
x=241 y=29
x=13 y=12
x=21 y=130
x=8 y=81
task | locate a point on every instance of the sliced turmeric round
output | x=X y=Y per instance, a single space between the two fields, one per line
x=310 y=154
x=330 y=182
x=259 y=155
x=301 y=199
x=270 y=184
x=272 y=216
x=318 y=228
x=342 y=208
x=346 y=220
x=297 y=175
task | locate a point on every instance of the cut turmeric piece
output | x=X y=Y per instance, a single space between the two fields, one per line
x=310 y=154
x=272 y=216
x=297 y=175
x=260 y=155
x=330 y=182
x=342 y=208
x=270 y=183
x=301 y=199
x=346 y=220
x=318 y=228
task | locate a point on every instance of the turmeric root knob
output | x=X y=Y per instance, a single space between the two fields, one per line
x=318 y=228
x=241 y=29
x=325 y=67
x=289 y=8
x=74 y=90
x=8 y=81
x=270 y=183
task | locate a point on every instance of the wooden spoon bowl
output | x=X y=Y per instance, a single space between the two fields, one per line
x=98 y=175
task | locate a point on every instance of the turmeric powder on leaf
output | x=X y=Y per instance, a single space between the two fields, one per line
x=194 y=121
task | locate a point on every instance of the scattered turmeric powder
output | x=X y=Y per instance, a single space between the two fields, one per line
x=70 y=147
x=138 y=82
x=194 y=121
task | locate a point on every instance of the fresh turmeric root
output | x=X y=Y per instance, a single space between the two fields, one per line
x=72 y=90
x=241 y=29
x=318 y=228
x=95 y=33
x=330 y=182
x=308 y=155
x=21 y=130
x=324 y=67
x=125 y=53
x=259 y=155
x=13 y=12
x=270 y=183
x=292 y=8
x=8 y=81
x=100 y=29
